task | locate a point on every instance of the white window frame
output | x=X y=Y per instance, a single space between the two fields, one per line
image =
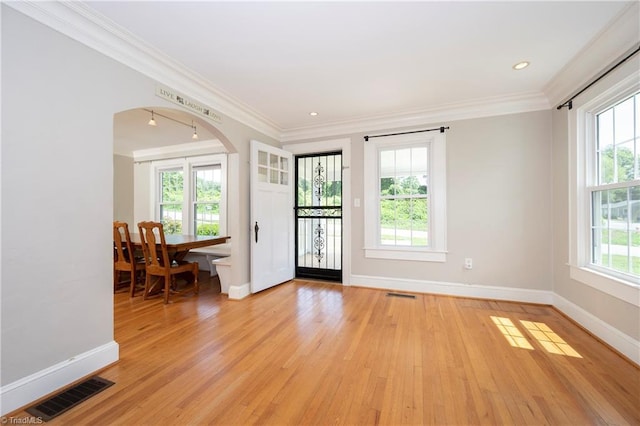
x=158 y=191
x=187 y=164
x=582 y=173
x=437 y=249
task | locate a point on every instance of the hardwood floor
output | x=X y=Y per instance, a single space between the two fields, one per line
x=308 y=353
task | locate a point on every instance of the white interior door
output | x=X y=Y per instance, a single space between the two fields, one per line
x=272 y=241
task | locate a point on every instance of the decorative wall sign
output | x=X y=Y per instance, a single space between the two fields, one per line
x=188 y=103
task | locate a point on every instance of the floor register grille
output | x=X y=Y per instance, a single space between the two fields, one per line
x=407 y=296
x=69 y=398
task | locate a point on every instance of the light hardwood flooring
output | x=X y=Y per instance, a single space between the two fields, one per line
x=307 y=353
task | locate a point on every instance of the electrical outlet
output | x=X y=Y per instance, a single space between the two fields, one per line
x=468 y=263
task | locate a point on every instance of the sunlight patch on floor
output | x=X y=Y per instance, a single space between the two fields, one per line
x=511 y=333
x=548 y=339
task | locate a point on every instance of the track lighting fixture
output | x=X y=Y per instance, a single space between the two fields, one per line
x=152 y=122
x=195 y=133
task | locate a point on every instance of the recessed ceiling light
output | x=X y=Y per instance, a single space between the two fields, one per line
x=313 y=113
x=521 y=65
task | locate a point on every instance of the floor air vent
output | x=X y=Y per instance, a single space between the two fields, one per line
x=68 y=398
x=408 y=296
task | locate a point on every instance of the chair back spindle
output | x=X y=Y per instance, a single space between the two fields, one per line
x=124 y=259
x=159 y=263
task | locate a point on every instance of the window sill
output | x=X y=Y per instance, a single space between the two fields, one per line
x=405 y=254
x=621 y=289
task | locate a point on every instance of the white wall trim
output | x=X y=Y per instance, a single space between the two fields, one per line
x=604 y=50
x=237 y=292
x=454 y=289
x=33 y=387
x=476 y=108
x=81 y=23
x=621 y=342
x=608 y=284
x=190 y=149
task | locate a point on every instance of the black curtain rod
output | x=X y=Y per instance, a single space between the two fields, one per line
x=441 y=129
x=569 y=102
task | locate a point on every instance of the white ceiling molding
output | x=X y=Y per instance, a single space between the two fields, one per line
x=81 y=23
x=606 y=49
x=179 y=150
x=477 y=108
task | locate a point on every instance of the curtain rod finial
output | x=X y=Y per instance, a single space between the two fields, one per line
x=366 y=138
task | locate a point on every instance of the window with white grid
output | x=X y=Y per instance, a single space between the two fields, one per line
x=614 y=189
x=190 y=195
x=405 y=197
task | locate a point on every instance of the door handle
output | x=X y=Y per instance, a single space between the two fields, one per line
x=256 y=229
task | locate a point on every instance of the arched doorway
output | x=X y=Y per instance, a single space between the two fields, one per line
x=154 y=142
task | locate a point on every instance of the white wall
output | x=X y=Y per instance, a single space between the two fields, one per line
x=123 y=189
x=498 y=213
x=58 y=102
x=498 y=181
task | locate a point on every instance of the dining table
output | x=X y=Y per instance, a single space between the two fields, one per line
x=178 y=245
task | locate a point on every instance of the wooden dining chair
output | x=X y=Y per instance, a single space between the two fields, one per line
x=159 y=264
x=124 y=259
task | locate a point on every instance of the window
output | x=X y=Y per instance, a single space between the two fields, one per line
x=171 y=199
x=272 y=168
x=206 y=199
x=403 y=200
x=405 y=197
x=614 y=189
x=604 y=186
x=191 y=195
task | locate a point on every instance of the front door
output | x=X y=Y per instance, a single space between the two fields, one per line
x=271 y=216
x=319 y=216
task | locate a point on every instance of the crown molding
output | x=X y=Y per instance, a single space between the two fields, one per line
x=180 y=150
x=477 y=108
x=609 y=46
x=81 y=23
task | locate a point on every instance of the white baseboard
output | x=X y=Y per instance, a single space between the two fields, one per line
x=454 y=289
x=31 y=388
x=237 y=292
x=621 y=342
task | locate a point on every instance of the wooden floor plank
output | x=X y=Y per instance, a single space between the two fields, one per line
x=317 y=353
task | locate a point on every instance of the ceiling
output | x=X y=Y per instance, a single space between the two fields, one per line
x=360 y=60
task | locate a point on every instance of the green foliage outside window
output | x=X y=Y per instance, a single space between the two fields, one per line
x=171 y=226
x=404 y=203
x=625 y=164
x=172 y=184
x=208 y=229
x=331 y=194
